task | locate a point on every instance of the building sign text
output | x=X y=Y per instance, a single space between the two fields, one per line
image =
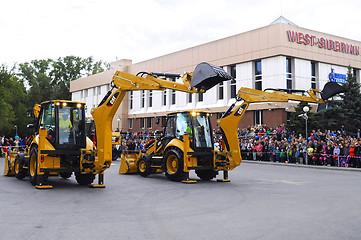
x=309 y=39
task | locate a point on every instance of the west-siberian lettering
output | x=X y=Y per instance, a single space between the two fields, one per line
x=329 y=44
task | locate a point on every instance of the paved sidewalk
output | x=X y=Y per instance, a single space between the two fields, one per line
x=304 y=166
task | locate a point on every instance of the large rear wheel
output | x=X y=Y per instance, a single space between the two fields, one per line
x=173 y=164
x=34 y=178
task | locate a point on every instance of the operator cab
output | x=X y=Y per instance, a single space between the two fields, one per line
x=65 y=122
x=196 y=124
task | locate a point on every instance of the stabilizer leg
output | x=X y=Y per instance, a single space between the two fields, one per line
x=225 y=177
x=186 y=178
x=100 y=182
x=40 y=183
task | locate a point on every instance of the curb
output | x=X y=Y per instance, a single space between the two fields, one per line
x=304 y=166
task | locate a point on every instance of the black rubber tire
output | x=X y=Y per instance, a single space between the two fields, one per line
x=33 y=167
x=19 y=171
x=115 y=154
x=84 y=179
x=173 y=164
x=206 y=175
x=65 y=175
x=144 y=165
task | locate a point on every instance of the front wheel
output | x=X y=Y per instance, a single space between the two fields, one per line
x=145 y=165
x=84 y=179
x=65 y=175
x=206 y=175
x=173 y=164
x=19 y=171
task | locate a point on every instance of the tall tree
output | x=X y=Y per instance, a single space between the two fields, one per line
x=50 y=79
x=351 y=104
x=12 y=102
x=344 y=110
x=297 y=123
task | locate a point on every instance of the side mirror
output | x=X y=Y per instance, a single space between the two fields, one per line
x=157 y=120
x=30 y=125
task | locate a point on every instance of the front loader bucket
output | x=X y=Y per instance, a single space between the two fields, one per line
x=331 y=89
x=9 y=164
x=206 y=76
x=128 y=163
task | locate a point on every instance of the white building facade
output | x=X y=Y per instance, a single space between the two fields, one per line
x=280 y=55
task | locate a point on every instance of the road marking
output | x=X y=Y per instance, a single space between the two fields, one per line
x=282 y=181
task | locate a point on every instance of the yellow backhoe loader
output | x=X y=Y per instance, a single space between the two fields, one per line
x=187 y=141
x=59 y=146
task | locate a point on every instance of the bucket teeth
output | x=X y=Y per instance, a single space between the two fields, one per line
x=206 y=76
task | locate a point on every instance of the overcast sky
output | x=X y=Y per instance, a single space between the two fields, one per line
x=144 y=29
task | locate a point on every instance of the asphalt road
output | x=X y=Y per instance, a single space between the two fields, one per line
x=261 y=202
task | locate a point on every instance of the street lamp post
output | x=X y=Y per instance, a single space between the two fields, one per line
x=16 y=130
x=306 y=109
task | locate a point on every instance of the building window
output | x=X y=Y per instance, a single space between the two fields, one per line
x=150 y=103
x=313 y=75
x=86 y=93
x=164 y=97
x=220 y=91
x=164 y=121
x=99 y=90
x=130 y=121
x=233 y=71
x=190 y=97
x=289 y=73
x=173 y=97
x=142 y=123
x=149 y=122
x=131 y=100
x=258 y=75
x=143 y=98
x=233 y=89
x=258 y=118
x=81 y=94
x=200 y=97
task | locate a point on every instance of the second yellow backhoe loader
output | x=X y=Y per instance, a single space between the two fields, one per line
x=187 y=141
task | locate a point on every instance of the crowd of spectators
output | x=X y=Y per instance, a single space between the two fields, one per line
x=328 y=148
x=11 y=144
x=262 y=143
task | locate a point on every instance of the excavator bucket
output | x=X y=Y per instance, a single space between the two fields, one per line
x=331 y=89
x=128 y=163
x=206 y=76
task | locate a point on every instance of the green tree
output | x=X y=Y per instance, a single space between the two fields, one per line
x=50 y=79
x=297 y=123
x=12 y=103
x=36 y=75
x=344 y=111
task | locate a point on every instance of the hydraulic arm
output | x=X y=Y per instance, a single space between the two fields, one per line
x=230 y=119
x=204 y=77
